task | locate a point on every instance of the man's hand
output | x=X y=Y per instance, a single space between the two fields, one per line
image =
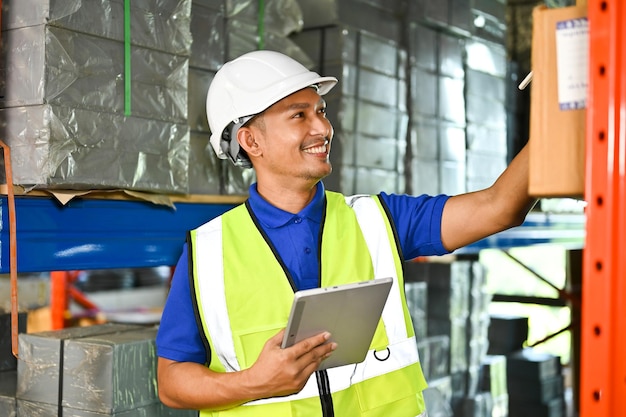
x=285 y=371
x=276 y=372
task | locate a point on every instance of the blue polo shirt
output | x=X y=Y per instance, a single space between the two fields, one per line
x=295 y=237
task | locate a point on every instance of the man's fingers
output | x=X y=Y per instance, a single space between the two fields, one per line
x=311 y=343
x=311 y=351
x=315 y=349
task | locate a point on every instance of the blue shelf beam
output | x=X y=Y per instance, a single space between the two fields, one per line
x=566 y=230
x=98 y=234
x=107 y=234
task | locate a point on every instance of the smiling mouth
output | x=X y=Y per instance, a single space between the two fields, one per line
x=317 y=149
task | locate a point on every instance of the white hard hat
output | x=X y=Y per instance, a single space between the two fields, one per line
x=247 y=86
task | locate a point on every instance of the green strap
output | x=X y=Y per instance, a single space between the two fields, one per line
x=261 y=25
x=127 y=71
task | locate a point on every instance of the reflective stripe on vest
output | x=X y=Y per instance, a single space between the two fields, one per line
x=374 y=228
x=213 y=294
x=211 y=287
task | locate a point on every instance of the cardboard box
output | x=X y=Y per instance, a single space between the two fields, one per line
x=112 y=372
x=557 y=124
x=42 y=357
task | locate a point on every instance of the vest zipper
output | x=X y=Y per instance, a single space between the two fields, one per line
x=326 y=399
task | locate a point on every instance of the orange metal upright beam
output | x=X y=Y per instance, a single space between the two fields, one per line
x=603 y=344
x=59 y=298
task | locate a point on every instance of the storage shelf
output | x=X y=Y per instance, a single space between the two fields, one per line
x=98 y=233
x=105 y=234
x=567 y=230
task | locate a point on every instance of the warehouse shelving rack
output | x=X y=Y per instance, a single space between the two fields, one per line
x=92 y=233
x=603 y=332
x=95 y=233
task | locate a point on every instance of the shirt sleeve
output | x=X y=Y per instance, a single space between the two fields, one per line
x=417 y=220
x=178 y=337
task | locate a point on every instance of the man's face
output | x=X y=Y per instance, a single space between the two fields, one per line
x=295 y=137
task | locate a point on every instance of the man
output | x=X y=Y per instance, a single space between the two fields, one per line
x=222 y=326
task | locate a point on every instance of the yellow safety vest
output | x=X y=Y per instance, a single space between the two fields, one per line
x=243 y=298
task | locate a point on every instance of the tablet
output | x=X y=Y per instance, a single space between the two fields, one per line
x=350 y=312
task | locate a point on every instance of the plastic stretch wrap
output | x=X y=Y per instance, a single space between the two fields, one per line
x=61 y=147
x=448 y=290
x=455 y=329
x=44 y=64
x=39 y=365
x=281 y=17
x=213 y=27
x=479 y=405
x=494 y=376
x=478 y=326
x=213 y=4
x=473 y=376
x=66 y=62
x=319 y=13
x=438 y=397
x=416 y=299
x=95 y=371
x=204 y=166
x=238 y=180
x=501 y=406
x=199 y=81
x=208 y=29
x=477 y=349
x=434 y=353
x=243 y=38
x=110 y=373
x=35 y=409
x=156 y=24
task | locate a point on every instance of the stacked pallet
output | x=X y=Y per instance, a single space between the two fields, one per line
x=95 y=371
x=89 y=104
x=454 y=350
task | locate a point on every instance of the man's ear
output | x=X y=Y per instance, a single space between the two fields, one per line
x=248 y=142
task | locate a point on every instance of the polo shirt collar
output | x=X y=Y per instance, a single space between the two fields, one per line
x=273 y=217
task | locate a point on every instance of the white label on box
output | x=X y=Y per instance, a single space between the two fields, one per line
x=572 y=61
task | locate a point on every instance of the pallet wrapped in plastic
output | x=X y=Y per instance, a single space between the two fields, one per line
x=110 y=373
x=157 y=24
x=59 y=147
x=35 y=409
x=41 y=357
x=49 y=65
x=88 y=104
